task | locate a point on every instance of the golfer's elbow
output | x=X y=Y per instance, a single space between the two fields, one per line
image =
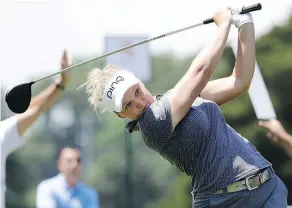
x=243 y=82
x=203 y=68
x=246 y=85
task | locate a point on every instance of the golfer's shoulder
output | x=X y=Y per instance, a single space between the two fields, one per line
x=156 y=125
x=156 y=121
x=158 y=110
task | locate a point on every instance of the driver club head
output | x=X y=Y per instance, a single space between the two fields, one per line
x=19 y=97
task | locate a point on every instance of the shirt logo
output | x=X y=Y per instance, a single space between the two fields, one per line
x=112 y=88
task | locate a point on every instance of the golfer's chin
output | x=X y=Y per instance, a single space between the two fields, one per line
x=136 y=116
x=142 y=112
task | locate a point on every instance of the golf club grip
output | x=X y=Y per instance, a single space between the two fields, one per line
x=251 y=8
x=245 y=9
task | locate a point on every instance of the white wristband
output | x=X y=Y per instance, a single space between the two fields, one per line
x=240 y=19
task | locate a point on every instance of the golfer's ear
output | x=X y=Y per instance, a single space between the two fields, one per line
x=119 y=115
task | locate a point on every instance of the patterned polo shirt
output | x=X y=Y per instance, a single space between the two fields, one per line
x=202 y=144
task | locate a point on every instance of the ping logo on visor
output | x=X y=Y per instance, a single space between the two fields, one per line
x=112 y=86
x=117 y=86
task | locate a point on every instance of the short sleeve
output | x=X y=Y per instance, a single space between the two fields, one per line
x=9 y=135
x=156 y=124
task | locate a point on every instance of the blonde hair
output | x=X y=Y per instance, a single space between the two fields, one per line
x=95 y=85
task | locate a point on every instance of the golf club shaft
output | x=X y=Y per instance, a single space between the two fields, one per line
x=246 y=9
x=122 y=49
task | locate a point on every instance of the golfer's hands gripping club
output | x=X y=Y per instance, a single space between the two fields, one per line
x=243 y=10
x=240 y=19
x=223 y=17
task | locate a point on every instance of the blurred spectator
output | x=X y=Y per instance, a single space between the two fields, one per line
x=65 y=190
x=278 y=134
x=12 y=129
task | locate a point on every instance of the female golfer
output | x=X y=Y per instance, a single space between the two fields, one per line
x=186 y=126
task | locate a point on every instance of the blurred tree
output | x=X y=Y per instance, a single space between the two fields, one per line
x=146 y=189
x=180 y=194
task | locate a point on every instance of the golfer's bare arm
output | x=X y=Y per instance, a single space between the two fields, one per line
x=182 y=96
x=226 y=89
x=48 y=98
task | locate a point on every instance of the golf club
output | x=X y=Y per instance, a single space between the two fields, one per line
x=19 y=97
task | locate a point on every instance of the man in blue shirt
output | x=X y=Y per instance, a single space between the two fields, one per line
x=65 y=189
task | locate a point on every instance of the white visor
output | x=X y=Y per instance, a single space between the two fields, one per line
x=119 y=83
